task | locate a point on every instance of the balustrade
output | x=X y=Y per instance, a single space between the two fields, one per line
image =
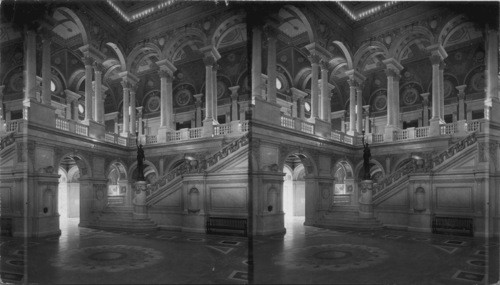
x=221 y=130
x=474 y=126
x=195 y=133
x=287 y=122
x=448 y=129
x=111 y=138
x=377 y=138
x=421 y=132
x=81 y=129
x=62 y=124
x=307 y=127
x=151 y=139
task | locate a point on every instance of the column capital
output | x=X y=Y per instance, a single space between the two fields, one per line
x=366 y=108
x=94 y=53
x=314 y=59
x=198 y=97
x=436 y=59
x=165 y=73
x=234 y=90
x=392 y=73
x=461 y=88
x=103 y=87
x=87 y=60
x=355 y=76
x=442 y=65
x=139 y=110
x=425 y=96
x=392 y=63
x=208 y=61
x=72 y=96
x=129 y=77
x=297 y=94
x=98 y=67
x=437 y=49
x=166 y=65
x=324 y=65
x=317 y=49
x=210 y=51
x=271 y=30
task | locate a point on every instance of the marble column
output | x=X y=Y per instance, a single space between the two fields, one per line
x=366 y=109
x=442 y=65
x=234 y=102
x=342 y=123
x=298 y=103
x=314 y=59
x=215 y=67
x=30 y=66
x=256 y=61
x=139 y=114
x=99 y=106
x=209 y=100
x=359 y=109
x=425 y=111
x=352 y=105
x=163 y=97
x=2 y=119
x=438 y=54
x=198 y=109
x=390 y=97
x=46 y=73
x=271 y=65
x=126 y=90
x=88 y=61
x=169 y=104
x=325 y=93
x=492 y=66
x=461 y=103
x=72 y=99
x=133 y=117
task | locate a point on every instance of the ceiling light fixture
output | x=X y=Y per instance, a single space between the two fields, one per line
x=142 y=13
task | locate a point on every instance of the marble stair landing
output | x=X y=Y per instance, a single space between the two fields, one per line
x=348 y=220
x=122 y=218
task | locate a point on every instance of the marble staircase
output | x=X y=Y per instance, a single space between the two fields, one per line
x=122 y=218
x=348 y=219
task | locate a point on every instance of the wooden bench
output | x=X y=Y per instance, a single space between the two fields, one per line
x=227 y=225
x=461 y=226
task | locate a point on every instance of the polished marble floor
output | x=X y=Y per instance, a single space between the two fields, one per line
x=305 y=255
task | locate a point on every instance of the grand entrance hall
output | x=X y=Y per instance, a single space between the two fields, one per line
x=239 y=142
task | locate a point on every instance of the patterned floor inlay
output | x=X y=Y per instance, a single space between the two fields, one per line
x=109 y=258
x=238 y=276
x=334 y=257
x=14 y=262
x=392 y=236
x=10 y=277
x=480 y=263
x=230 y=242
x=196 y=239
x=421 y=239
x=481 y=252
x=223 y=249
x=166 y=237
x=468 y=276
x=447 y=249
x=456 y=242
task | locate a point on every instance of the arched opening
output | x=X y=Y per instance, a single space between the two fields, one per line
x=68 y=193
x=117 y=185
x=344 y=183
x=294 y=191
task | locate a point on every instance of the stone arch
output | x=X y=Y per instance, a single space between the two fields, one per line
x=305 y=157
x=76 y=79
x=376 y=170
x=346 y=164
x=139 y=53
x=119 y=166
x=119 y=54
x=449 y=28
x=417 y=35
x=149 y=168
x=302 y=17
x=231 y=23
x=81 y=161
x=181 y=37
x=347 y=54
x=400 y=163
x=302 y=77
x=367 y=52
x=76 y=20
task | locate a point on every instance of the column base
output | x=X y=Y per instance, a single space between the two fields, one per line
x=39 y=113
x=389 y=131
x=492 y=109
x=322 y=128
x=161 y=137
x=266 y=111
x=208 y=127
x=96 y=130
x=435 y=127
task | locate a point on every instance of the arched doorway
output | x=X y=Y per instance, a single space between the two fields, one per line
x=118 y=194
x=294 y=191
x=68 y=193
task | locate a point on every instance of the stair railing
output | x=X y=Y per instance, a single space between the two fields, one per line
x=195 y=166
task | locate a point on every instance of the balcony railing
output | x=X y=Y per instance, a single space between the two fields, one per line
x=421 y=132
x=195 y=133
x=14 y=126
x=448 y=129
x=474 y=126
x=402 y=135
x=307 y=127
x=378 y=138
x=287 y=122
x=221 y=130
